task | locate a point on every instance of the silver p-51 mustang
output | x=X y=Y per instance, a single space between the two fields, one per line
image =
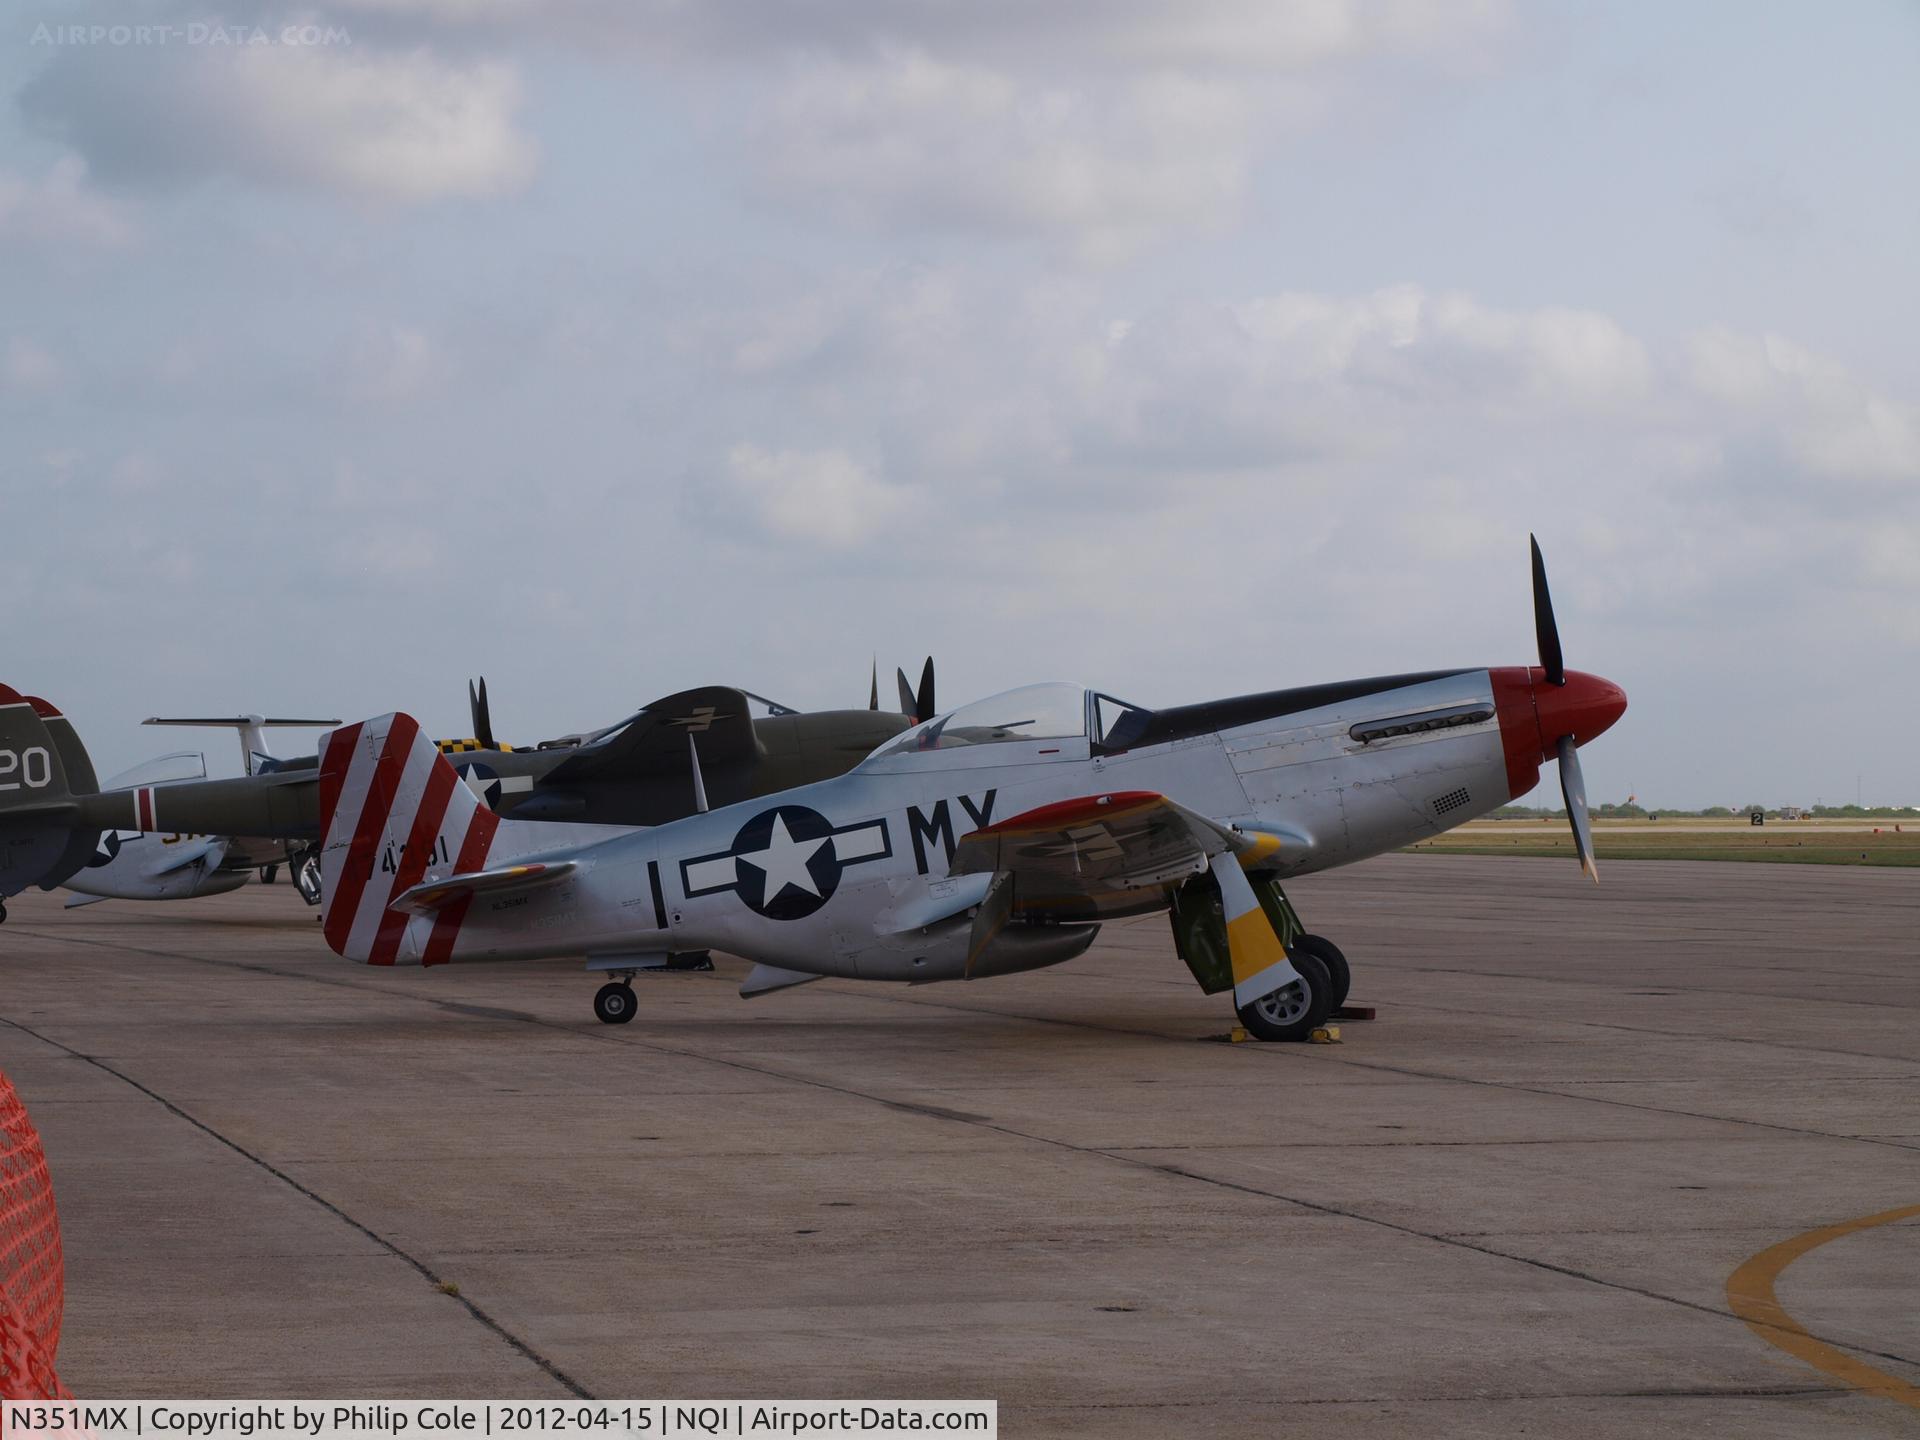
x=985 y=841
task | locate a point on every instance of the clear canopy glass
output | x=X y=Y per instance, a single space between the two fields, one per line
x=1056 y=711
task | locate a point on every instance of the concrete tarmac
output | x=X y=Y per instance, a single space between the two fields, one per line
x=1510 y=1205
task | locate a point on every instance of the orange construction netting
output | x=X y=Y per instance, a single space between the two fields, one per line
x=32 y=1274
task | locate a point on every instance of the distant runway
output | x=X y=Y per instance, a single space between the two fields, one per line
x=1511 y=1205
x=1690 y=827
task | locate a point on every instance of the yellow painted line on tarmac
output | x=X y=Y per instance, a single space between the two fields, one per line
x=1750 y=1293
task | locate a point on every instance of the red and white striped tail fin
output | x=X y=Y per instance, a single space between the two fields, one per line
x=393 y=812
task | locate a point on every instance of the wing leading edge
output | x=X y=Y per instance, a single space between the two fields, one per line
x=1099 y=856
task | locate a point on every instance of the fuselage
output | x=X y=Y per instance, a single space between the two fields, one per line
x=831 y=878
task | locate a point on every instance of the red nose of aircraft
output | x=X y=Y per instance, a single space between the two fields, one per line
x=1584 y=707
x=1535 y=713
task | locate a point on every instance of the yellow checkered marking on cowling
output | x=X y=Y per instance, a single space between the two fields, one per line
x=457 y=747
x=1251 y=945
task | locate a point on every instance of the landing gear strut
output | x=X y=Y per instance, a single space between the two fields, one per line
x=304 y=867
x=615 y=1004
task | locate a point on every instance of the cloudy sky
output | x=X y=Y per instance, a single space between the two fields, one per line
x=1183 y=347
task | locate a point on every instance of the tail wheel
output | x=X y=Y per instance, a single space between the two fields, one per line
x=614 y=1004
x=1294 y=1011
x=1328 y=954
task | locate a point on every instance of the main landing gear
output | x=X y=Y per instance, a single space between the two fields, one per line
x=1339 y=974
x=1296 y=1009
x=614 y=1003
x=3 y=912
x=1294 y=1012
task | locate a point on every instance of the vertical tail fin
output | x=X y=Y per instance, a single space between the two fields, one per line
x=393 y=813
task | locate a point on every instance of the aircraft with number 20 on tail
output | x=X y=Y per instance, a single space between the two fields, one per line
x=986 y=841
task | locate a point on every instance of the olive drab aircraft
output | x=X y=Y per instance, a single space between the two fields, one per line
x=136 y=865
x=676 y=757
x=986 y=841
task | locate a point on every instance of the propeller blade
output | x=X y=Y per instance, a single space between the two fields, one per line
x=482 y=715
x=906 y=694
x=873 y=698
x=1544 y=630
x=1574 y=789
x=923 y=707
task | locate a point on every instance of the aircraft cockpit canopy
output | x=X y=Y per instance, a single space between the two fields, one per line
x=1055 y=711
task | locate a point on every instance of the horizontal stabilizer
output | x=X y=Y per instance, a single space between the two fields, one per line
x=435 y=895
x=235 y=722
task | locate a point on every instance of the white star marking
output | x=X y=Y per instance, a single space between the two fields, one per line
x=784 y=862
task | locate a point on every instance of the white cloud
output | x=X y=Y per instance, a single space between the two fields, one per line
x=61 y=208
x=1236 y=34
x=27 y=366
x=1261 y=35
x=391 y=363
x=822 y=496
x=405 y=126
x=135 y=472
x=1406 y=432
x=1106 y=128
x=903 y=137
x=1835 y=425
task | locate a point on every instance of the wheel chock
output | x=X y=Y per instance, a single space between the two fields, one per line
x=1238 y=1035
x=1354 y=1012
x=1325 y=1035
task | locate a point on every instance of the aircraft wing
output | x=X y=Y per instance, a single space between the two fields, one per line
x=655 y=742
x=1100 y=850
x=1103 y=855
x=210 y=848
x=433 y=896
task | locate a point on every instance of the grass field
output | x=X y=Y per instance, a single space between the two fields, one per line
x=1800 y=842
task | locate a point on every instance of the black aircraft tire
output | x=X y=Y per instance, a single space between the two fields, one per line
x=1287 y=1015
x=269 y=873
x=3 y=912
x=1328 y=954
x=614 y=1004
